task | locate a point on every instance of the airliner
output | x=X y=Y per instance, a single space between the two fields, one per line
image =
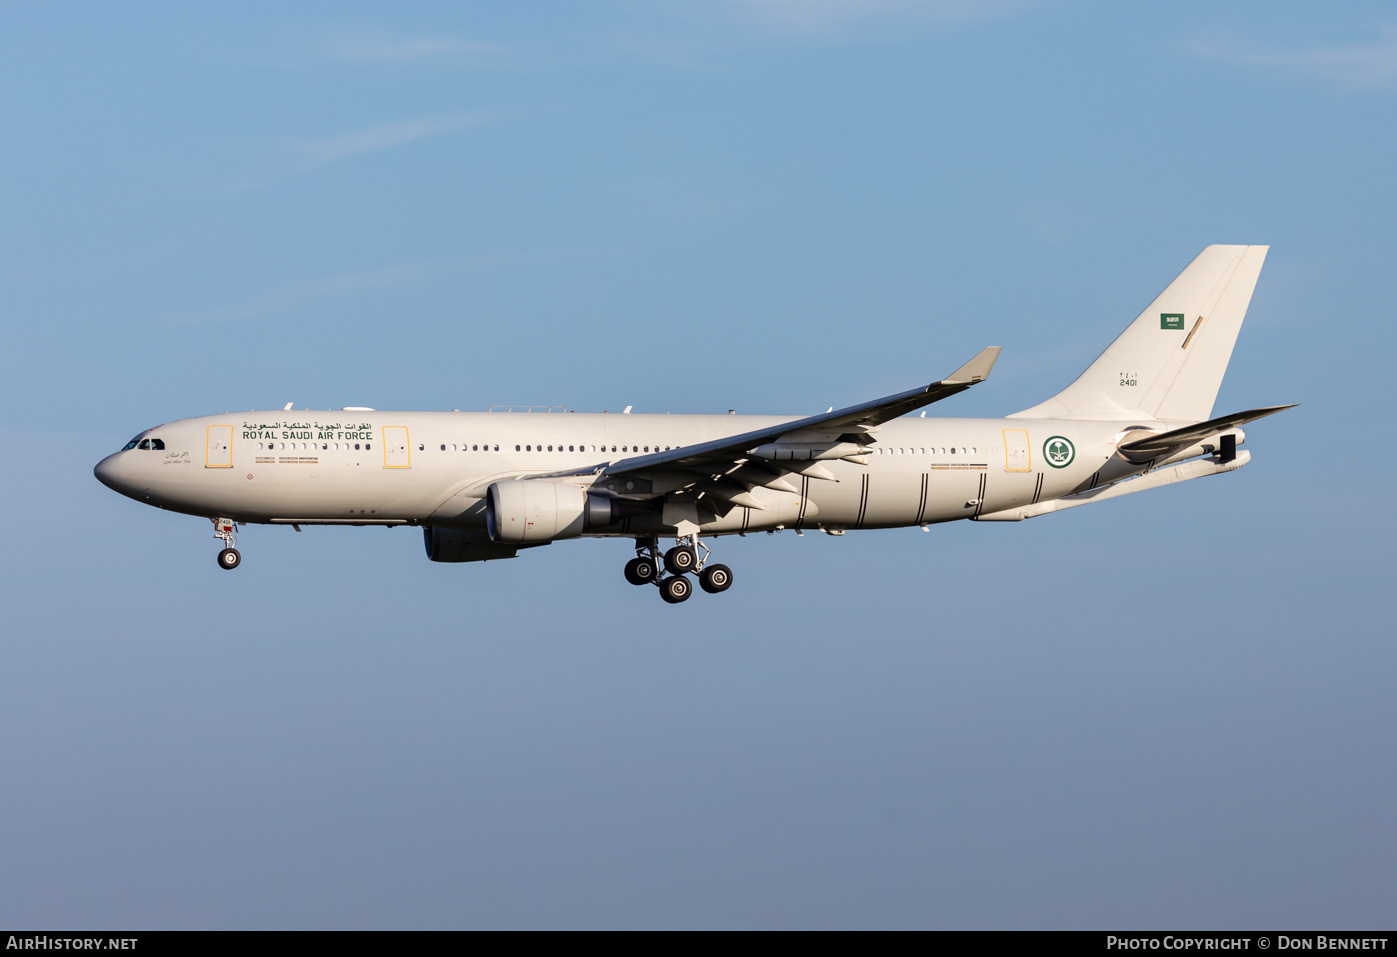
x=484 y=485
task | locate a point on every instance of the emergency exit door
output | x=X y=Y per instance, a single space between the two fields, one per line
x=396 y=454
x=1016 y=455
x=218 y=454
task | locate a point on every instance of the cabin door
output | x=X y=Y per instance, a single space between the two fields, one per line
x=396 y=453
x=218 y=454
x=1016 y=454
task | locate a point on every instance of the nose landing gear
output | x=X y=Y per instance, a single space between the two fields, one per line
x=688 y=555
x=230 y=557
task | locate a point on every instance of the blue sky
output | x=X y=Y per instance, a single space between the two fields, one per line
x=1170 y=712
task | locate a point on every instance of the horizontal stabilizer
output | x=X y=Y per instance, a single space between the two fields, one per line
x=1182 y=472
x=1193 y=434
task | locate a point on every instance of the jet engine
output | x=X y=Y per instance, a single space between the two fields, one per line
x=528 y=511
x=458 y=545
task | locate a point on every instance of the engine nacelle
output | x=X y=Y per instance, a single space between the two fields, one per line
x=458 y=545
x=528 y=511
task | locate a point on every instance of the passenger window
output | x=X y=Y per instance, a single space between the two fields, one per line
x=356 y=445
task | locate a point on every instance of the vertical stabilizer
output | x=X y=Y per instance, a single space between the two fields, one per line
x=1169 y=362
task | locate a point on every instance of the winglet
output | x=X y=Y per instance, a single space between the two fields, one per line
x=976 y=370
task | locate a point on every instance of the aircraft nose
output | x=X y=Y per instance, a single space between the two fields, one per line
x=109 y=473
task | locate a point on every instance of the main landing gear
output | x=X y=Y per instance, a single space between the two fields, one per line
x=230 y=557
x=684 y=557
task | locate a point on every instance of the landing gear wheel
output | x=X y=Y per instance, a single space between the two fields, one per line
x=681 y=559
x=676 y=589
x=715 y=578
x=229 y=558
x=641 y=571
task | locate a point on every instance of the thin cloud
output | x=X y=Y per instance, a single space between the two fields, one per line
x=818 y=16
x=315 y=153
x=1363 y=65
x=385 y=49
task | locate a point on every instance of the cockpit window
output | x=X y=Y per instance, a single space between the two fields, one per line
x=130 y=445
x=145 y=444
x=157 y=444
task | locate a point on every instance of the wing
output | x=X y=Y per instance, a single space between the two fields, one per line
x=724 y=471
x=1164 y=443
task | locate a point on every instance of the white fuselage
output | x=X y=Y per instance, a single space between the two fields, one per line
x=435 y=468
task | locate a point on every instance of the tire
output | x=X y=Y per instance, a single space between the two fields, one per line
x=676 y=589
x=681 y=559
x=715 y=578
x=229 y=559
x=640 y=571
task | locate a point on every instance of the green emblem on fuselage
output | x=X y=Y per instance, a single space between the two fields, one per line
x=1171 y=320
x=1059 y=451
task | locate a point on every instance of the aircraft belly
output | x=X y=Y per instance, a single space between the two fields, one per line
x=203 y=494
x=1009 y=490
x=953 y=492
x=780 y=509
x=330 y=493
x=894 y=495
x=838 y=502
